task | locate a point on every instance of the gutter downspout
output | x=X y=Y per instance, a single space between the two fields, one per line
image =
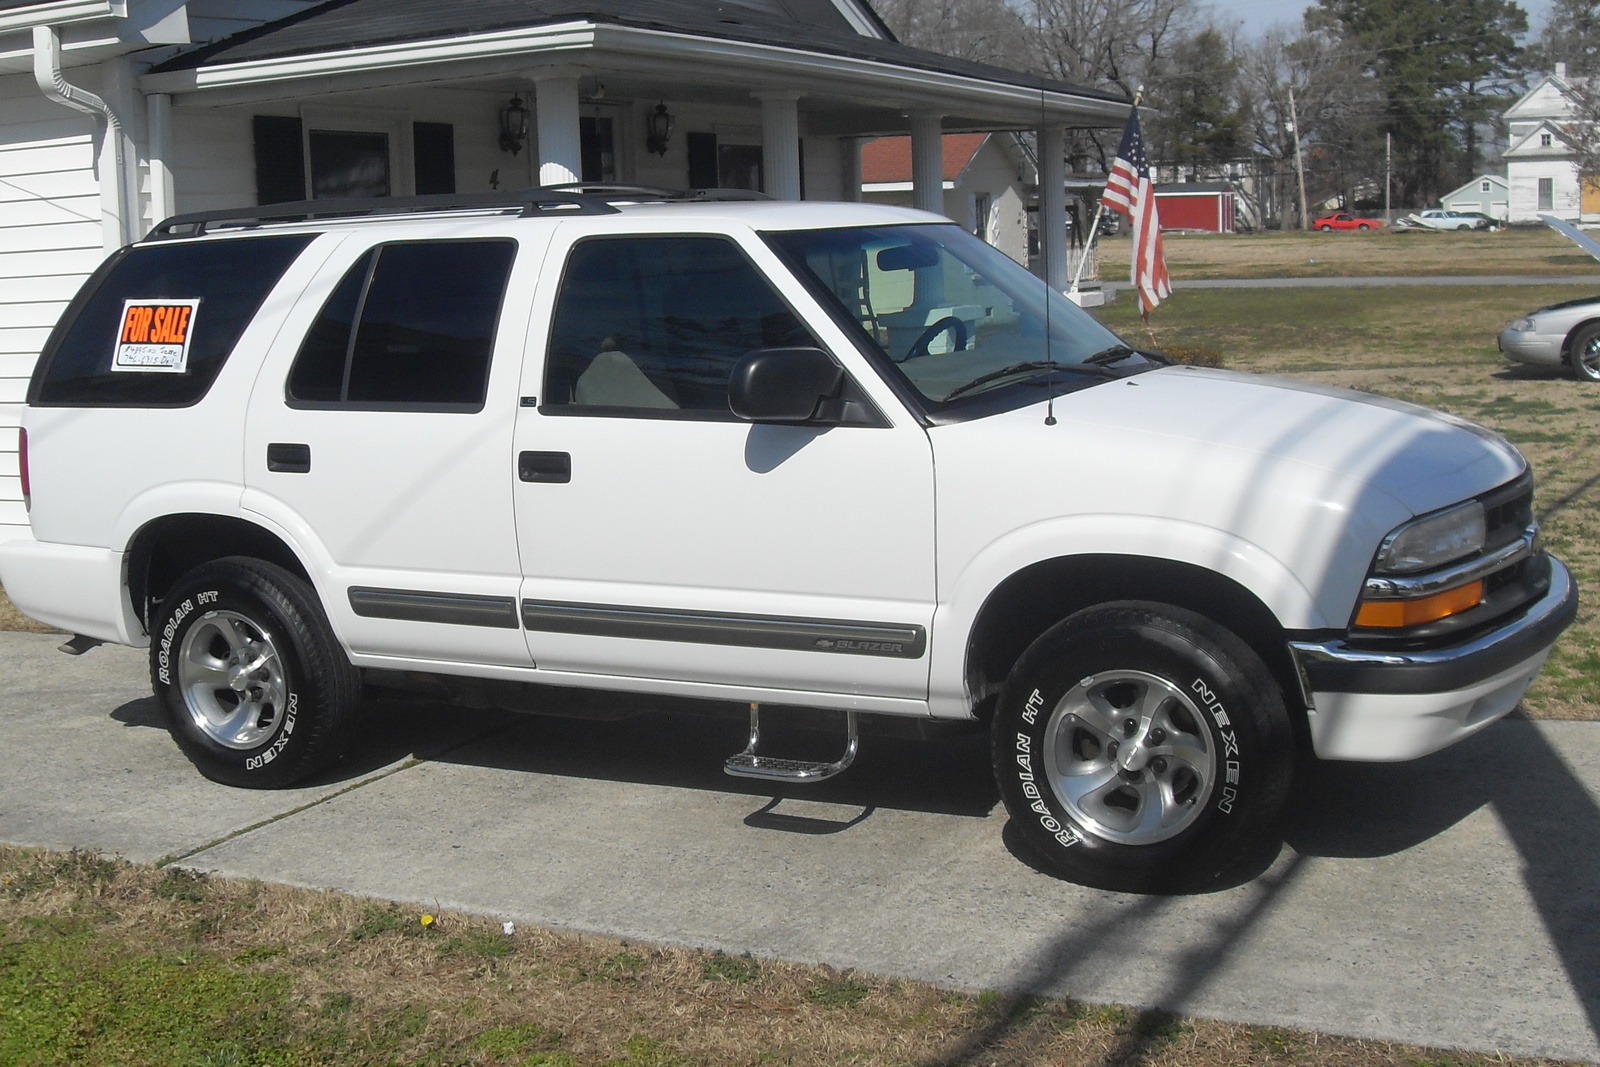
x=53 y=83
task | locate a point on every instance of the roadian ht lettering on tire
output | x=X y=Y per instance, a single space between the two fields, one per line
x=256 y=689
x=1141 y=747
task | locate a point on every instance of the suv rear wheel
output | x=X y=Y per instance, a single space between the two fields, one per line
x=1141 y=747
x=256 y=689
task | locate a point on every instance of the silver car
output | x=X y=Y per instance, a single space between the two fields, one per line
x=1567 y=333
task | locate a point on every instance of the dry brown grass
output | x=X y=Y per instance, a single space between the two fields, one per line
x=1328 y=255
x=349 y=981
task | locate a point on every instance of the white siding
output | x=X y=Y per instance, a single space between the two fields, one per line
x=1523 y=176
x=50 y=239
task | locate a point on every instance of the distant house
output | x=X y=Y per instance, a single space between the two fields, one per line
x=1541 y=168
x=1488 y=194
x=1207 y=206
x=987 y=180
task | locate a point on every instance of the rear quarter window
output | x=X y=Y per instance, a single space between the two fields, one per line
x=155 y=324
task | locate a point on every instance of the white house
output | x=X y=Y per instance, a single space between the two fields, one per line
x=117 y=113
x=1541 y=170
x=986 y=179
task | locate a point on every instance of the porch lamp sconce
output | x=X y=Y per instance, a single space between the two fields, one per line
x=513 y=126
x=658 y=128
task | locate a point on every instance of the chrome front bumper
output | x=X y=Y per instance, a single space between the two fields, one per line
x=1372 y=704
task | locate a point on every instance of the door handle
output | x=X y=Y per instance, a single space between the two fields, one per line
x=289 y=459
x=544 y=466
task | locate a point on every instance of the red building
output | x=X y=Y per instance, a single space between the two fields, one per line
x=1196 y=206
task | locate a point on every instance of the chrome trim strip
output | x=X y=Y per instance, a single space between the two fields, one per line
x=748 y=631
x=411 y=605
x=1410 y=587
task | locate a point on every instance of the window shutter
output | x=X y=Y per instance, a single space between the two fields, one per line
x=280 y=160
x=434 y=145
x=702 y=149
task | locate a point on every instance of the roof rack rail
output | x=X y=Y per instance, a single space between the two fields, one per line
x=528 y=202
x=615 y=192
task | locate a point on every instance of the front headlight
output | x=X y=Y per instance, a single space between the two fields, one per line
x=1522 y=325
x=1433 y=540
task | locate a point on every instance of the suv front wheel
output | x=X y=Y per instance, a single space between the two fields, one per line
x=256 y=689
x=1141 y=747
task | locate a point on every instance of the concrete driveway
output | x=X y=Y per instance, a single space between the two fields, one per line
x=1451 y=901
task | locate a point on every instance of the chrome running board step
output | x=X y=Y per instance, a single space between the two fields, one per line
x=748 y=764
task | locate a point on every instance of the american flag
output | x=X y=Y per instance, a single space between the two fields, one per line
x=1129 y=192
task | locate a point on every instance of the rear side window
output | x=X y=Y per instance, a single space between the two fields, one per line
x=410 y=327
x=155 y=325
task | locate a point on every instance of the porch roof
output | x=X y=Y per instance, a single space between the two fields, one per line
x=816 y=47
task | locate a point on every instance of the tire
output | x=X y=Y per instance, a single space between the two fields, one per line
x=1324 y=228
x=1583 y=353
x=1363 y=226
x=1173 y=803
x=255 y=687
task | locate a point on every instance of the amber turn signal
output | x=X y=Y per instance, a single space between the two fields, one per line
x=1390 y=614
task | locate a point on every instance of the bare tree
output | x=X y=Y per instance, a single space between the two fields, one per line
x=1339 y=108
x=982 y=31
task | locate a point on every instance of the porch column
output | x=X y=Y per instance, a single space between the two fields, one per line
x=850 y=169
x=1053 y=207
x=927 y=161
x=163 y=197
x=780 y=144
x=556 y=107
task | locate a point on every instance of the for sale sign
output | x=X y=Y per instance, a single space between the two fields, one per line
x=155 y=336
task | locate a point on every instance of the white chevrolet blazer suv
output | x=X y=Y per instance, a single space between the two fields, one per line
x=805 y=456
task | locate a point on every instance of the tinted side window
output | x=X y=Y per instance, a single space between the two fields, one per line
x=222 y=283
x=656 y=324
x=410 y=326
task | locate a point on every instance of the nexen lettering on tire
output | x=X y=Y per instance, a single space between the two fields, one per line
x=1230 y=744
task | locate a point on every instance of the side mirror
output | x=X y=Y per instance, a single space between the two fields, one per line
x=783 y=384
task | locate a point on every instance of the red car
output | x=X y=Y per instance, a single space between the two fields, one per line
x=1343 y=220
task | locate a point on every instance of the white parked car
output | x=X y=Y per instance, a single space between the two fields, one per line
x=1559 y=335
x=1437 y=219
x=808 y=456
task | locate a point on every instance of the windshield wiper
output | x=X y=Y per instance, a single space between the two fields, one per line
x=1022 y=368
x=1114 y=354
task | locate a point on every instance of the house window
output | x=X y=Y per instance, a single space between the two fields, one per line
x=982 y=205
x=1483 y=187
x=713 y=164
x=348 y=163
x=1545 y=140
x=1547 y=194
x=356 y=154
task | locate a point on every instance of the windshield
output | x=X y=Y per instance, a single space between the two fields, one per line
x=953 y=315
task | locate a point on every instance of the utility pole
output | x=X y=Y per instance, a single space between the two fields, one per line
x=1388 y=172
x=1299 y=164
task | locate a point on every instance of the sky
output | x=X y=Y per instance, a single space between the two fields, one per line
x=1257 y=15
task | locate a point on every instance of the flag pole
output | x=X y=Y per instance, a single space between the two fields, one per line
x=1094 y=227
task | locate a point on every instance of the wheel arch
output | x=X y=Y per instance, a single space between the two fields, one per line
x=1033 y=599
x=1566 y=342
x=164 y=549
